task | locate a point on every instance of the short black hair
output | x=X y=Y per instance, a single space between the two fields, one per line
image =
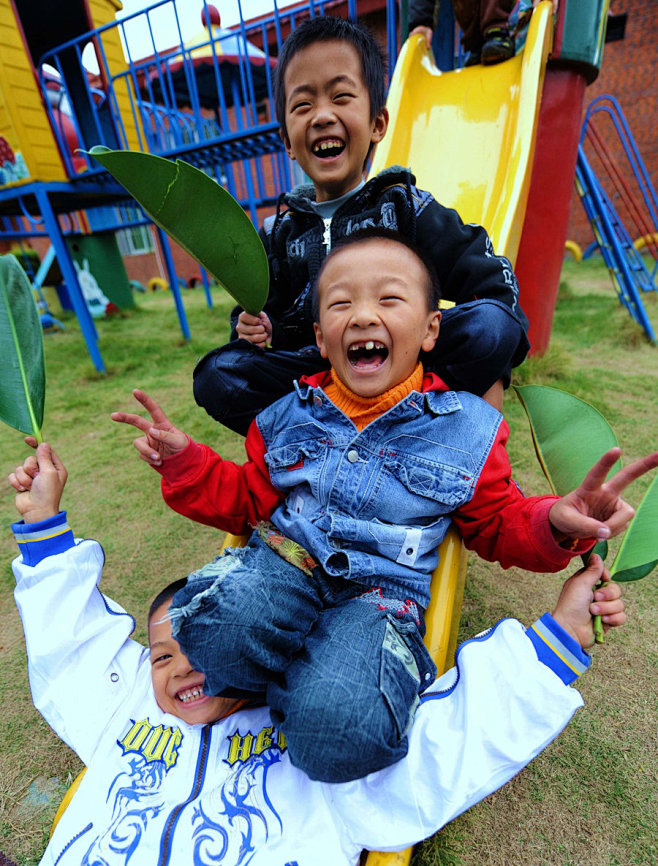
x=432 y=286
x=327 y=28
x=164 y=595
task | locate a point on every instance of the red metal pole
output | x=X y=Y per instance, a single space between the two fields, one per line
x=541 y=251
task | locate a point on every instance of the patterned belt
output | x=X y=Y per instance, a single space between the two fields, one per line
x=286 y=548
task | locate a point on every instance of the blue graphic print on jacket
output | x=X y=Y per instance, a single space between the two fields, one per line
x=229 y=823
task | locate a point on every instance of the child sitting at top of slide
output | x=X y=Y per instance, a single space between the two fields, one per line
x=351 y=483
x=330 y=97
x=177 y=776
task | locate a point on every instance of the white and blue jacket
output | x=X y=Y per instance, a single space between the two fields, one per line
x=159 y=791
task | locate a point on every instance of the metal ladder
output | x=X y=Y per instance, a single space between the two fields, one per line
x=626 y=267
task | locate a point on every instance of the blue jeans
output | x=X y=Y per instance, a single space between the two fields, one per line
x=341 y=666
x=479 y=343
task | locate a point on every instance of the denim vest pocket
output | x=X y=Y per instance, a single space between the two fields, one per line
x=448 y=486
x=288 y=455
x=285 y=459
x=406 y=669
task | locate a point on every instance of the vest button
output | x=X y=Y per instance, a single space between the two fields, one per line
x=353 y=456
x=317 y=400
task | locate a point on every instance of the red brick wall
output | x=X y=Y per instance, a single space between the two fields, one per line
x=629 y=73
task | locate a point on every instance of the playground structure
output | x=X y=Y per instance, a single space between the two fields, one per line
x=74 y=87
x=634 y=192
x=81 y=80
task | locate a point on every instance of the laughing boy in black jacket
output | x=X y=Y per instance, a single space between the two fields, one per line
x=330 y=100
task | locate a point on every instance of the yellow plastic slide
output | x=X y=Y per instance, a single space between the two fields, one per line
x=469 y=137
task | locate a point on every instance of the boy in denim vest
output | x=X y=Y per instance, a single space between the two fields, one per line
x=331 y=106
x=351 y=483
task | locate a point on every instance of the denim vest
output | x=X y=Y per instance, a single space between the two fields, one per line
x=373 y=506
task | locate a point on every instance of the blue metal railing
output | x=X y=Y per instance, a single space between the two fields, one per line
x=208 y=100
x=613 y=241
x=643 y=208
x=154 y=101
x=608 y=104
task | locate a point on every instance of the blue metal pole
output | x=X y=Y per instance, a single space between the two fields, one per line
x=206 y=286
x=65 y=263
x=443 y=41
x=44 y=267
x=173 y=282
x=628 y=294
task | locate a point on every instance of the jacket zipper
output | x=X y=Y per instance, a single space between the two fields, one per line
x=485 y=635
x=196 y=788
x=326 y=237
x=71 y=841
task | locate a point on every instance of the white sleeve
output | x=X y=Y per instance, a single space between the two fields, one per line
x=81 y=662
x=477 y=726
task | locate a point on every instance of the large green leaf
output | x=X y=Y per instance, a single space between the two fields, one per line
x=23 y=378
x=200 y=216
x=569 y=435
x=638 y=552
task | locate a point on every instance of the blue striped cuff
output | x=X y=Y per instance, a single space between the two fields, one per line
x=557 y=649
x=38 y=540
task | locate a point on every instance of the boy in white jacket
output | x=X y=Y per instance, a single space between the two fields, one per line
x=176 y=777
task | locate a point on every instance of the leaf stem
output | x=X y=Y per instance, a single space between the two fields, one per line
x=598 y=623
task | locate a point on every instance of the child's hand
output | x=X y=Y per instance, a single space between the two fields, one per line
x=579 y=602
x=255 y=329
x=425 y=32
x=595 y=509
x=39 y=483
x=161 y=439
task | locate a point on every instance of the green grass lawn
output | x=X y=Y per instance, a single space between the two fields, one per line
x=590 y=798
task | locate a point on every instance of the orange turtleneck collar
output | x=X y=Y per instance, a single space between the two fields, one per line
x=362 y=410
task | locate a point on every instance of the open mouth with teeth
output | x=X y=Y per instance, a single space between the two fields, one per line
x=367 y=355
x=190 y=695
x=328 y=147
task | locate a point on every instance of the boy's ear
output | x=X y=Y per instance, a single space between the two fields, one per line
x=286 y=143
x=319 y=340
x=379 y=126
x=433 y=327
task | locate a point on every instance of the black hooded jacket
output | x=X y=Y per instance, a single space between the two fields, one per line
x=297 y=240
